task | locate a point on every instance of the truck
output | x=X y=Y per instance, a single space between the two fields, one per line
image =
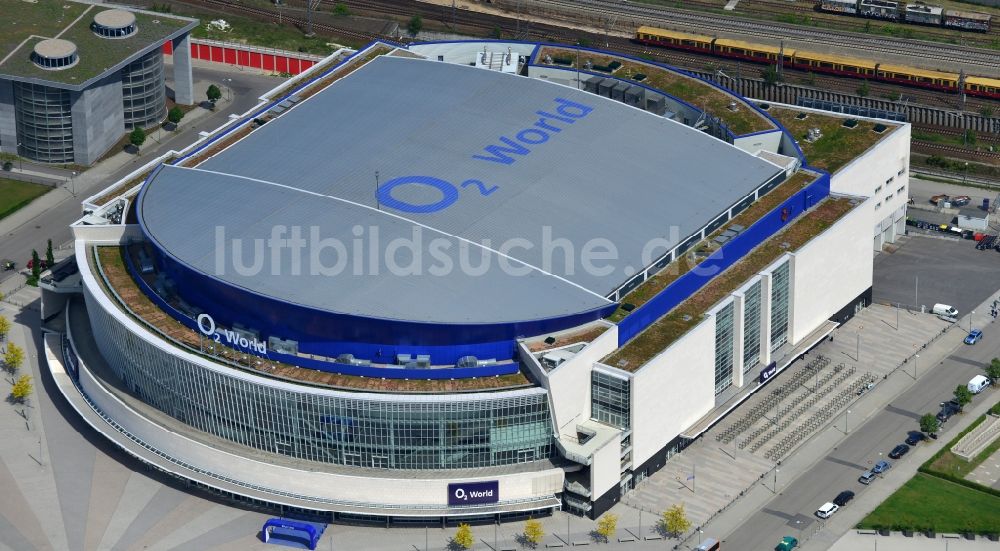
x=945 y=312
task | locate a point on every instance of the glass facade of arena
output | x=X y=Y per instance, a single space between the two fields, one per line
x=44 y=122
x=779 y=306
x=379 y=431
x=751 y=327
x=724 y=347
x=610 y=397
x=143 y=91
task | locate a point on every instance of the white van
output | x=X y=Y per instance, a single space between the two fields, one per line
x=978 y=383
x=945 y=311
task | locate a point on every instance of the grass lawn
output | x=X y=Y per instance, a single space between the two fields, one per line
x=839 y=145
x=927 y=502
x=948 y=463
x=15 y=194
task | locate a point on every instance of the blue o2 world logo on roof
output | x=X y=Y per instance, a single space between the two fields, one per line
x=473 y=493
x=507 y=152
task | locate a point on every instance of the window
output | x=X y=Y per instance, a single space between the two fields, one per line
x=891 y=178
x=780 y=298
x=751 y=327
x=724 y=347
x=901 y=189
x=609 y=399
x=878 y=189
x=878 y=205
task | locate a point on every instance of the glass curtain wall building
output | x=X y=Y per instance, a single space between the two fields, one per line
x=610 y=398
x=366 y=430
x=143 y=91
x=724 y=347
x=779 y=306
x=751 y=327
x=44 y=122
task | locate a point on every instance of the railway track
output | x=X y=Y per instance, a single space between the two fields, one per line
x=955 y=151
x=675 y=18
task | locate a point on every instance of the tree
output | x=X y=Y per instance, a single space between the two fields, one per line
x=533 y=532
x=49 y=258
x=770 y=75
x=864 y=89
x=415 y=25
x=962 y=395
x=175 y=114
x=137 y=137
x=22 y=388
x=992 y=370
x=36 y=265
x=463 y=536
x=929 y=423
x=4 y=328
x=341 y=9
x=607 y=525
x=969 y=137
x=675 y=521
x=13 y=358
x=213 y=93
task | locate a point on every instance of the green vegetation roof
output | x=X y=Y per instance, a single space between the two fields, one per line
x=680 y=266
x=745 y=120
x=112 y=263
x=839 y=144
x=27 y=23
x=688 y=314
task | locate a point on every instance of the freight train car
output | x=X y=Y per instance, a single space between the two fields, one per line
x=923 y=14
x=849 y=7
x=967 y=20
x=918 y=12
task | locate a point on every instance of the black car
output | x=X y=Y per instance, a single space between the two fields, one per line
x=948 y=409
x=915 y=438
x=843 y=498
x=899 y=451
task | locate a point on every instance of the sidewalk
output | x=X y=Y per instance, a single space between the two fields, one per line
x=821 y=444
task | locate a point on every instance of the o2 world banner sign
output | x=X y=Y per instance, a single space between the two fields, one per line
x=473 y=493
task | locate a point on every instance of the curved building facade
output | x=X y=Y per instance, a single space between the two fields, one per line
x=44 y=122
x=144 y=91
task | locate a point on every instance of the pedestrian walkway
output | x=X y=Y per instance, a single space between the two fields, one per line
x=988 y=472
x=863 y=540
x=705 y=478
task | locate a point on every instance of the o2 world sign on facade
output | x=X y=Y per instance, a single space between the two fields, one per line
x=473 y=493
x=229 y=337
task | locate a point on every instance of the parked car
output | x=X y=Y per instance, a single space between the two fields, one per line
x=41 y=264
x=915 y=438
x=867 y=477
x=787 y=543
x=960 y=200
x=978 y=383
x=938 y=199
x=881 y=467
x=945 y=311
x=899 y=451
x=948 y=409
x=827 y=510
x=974 y=336
x=7 y=264
x=843 y=498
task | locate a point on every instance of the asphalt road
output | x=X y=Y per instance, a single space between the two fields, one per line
x=934 y=270
x=858 y=451
x=54 y=223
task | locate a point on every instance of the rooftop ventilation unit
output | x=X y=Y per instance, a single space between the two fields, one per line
x=813 y=134
x=467 y=361
x=733 y=107
x=55 y=54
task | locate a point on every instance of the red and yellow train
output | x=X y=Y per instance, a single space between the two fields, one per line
x=817 y=62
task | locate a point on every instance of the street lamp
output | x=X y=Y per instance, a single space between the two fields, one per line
x=20 y=158
x=846 y=413
x=229 y=89
x=915 y=358
x=72 y=181
x=971 y=314
x=965 y=173
x=775 y=485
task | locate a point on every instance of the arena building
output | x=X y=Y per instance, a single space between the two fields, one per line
x=74 y=77
x=465 y=280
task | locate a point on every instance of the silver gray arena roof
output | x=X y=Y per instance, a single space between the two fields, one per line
x=525 y=175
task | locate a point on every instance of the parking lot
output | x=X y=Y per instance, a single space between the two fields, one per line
x=924 y=271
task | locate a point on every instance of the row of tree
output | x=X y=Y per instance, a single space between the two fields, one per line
x=929 y=422
x=13 y=358
x=672 y=523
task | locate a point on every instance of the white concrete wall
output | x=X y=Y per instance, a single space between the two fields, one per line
x=465 y=52
x=673 y=391
x=569 y=384
x=770 y=141
x=830 y=271
x=111 y=234
x=605 y=470
x=882 y=174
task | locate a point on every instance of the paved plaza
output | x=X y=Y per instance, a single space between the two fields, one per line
x=988 y=472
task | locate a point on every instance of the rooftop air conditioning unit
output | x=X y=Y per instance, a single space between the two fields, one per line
x=467 y=361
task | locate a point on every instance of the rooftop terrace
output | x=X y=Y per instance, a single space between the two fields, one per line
x=27 y=23
x=839 y=144
x=696 y=92
x=690 y=313
x=135 y=303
